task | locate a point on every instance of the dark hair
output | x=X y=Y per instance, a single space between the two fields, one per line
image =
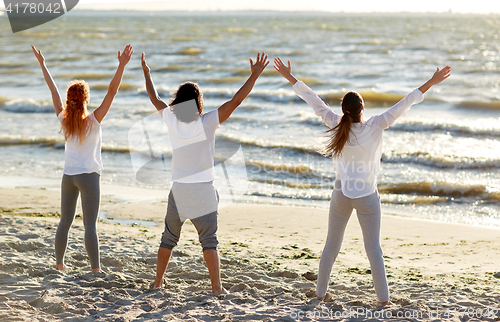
x=187 y=92
x=352 y=105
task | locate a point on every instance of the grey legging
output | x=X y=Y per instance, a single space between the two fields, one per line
x=88 y=184
x=368 y=210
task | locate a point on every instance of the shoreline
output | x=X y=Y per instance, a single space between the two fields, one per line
x=123 y=194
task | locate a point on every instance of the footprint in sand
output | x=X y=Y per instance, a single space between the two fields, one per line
x=28 y=236
x=24 y=247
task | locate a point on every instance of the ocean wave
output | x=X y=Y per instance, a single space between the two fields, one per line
x=413 y=193
x=123 y=87
x=281 y=167
x=296 y=196
x=246 y=71
x=491 y=105
x=25 y=105
x=402 y=199
x=171 y=68
x=482 y=128
x=85 y=76
x=94 y=35
x=68 y=58
x=261 y=143
x=30 y=140
x=441 y=161
x=441 y=189
x=228 y=80
x=3 y=99
x=191 y=51
x=8 y=64
x=16 y=71
x=58 y=141
x=304 y=185
x=241 y=30
x=40 y=34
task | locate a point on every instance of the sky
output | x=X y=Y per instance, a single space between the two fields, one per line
x=477 y=6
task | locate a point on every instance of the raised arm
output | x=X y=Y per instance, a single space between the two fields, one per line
x=228 y=108
x=56 y=98
x=123 y=59
x=390 y=116
x=330 y=118
x=150 y=86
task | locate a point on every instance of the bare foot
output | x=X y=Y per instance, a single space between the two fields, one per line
x=324 y=298
x=386 y=303
x=96 y=270
x=221 y=291
x=62 y=267
x=157 y=284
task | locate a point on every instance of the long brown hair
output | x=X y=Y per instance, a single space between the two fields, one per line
x=352 y=105
x=186 y=92
x=75 y=123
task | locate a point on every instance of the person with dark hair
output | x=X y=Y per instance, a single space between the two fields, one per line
x=193 y=195
x=82 y=155
x=356 y=148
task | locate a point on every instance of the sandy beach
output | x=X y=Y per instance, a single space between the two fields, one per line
x=269 y=257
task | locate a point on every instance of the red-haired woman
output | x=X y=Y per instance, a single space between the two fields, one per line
x=83 y=165
x=356 y=148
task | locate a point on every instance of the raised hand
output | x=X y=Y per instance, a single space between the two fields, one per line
x=285 y=71
x=281 y=68
x=124 y=58
x=38 y=55
x=438 y=77
x=259 y=65
x=145 y=66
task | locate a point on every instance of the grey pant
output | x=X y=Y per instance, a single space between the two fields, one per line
x=205 y=225
x=369 y=213
x=88 y=184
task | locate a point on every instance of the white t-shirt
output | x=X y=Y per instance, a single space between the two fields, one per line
x=193 y=146
x=84 y=157
x=359 y=164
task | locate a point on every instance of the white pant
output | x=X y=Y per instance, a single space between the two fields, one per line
x=368 y=211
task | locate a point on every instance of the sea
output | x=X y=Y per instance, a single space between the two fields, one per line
x=440 y=162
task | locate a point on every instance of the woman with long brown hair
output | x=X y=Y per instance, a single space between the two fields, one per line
x=82 y=155
x=356 y=148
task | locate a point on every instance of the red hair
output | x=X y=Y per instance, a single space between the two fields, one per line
x=75 y=123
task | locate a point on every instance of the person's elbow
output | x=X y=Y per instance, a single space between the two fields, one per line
x=155 y=99
x=235 y=102
x=112 y=91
